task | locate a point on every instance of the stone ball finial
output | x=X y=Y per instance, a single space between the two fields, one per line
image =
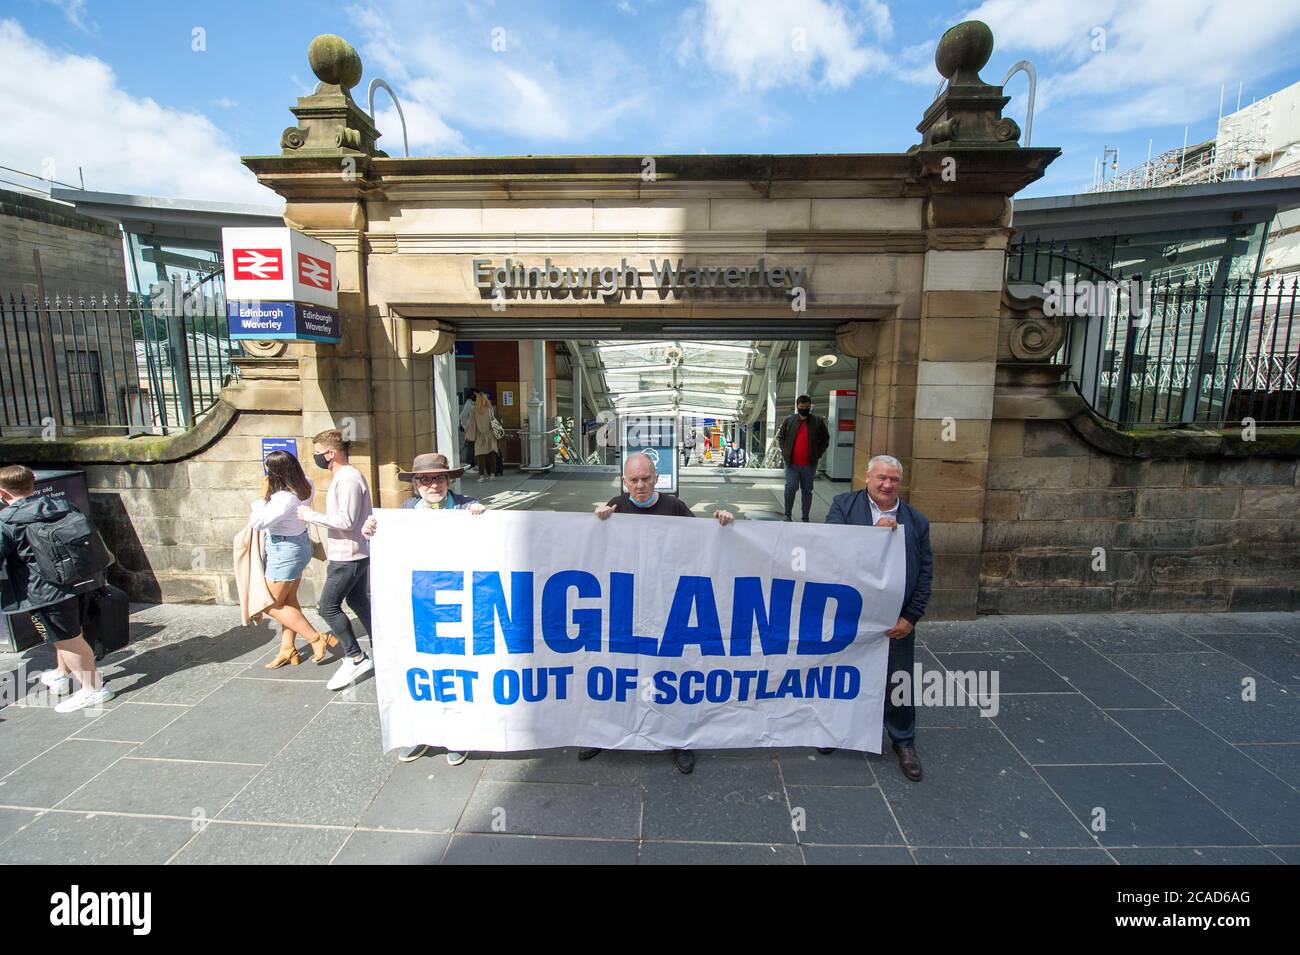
x=963 y=50
x=334 y=61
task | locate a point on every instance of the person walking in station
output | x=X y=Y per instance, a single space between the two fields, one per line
x=347 y=579
x=288 y=552
x=481 y=432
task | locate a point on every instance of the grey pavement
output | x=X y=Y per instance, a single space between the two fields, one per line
x=1171 y=738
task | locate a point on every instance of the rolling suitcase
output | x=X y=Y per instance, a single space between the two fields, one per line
x=108 y=620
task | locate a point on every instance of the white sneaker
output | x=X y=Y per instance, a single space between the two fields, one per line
x=58 y=683
x=83 y=698
x=411 y=753
x=348 y=672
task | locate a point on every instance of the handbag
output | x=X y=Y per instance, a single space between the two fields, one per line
x=317 y=546
x=498 y=429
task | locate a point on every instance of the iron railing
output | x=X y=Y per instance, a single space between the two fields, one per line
x=1188 y=348
x=114 y=363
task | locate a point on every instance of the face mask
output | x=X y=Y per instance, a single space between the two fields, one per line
x=805 y=412
x=650 y=503
x=321 y=462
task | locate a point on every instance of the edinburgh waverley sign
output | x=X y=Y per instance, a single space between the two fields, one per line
x=515 y=278
x=280 y=283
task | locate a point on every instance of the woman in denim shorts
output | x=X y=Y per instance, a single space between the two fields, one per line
x=288 y=552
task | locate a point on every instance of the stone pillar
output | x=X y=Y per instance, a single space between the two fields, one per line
x=927 y=395
x=371 y=385
x=445 y=410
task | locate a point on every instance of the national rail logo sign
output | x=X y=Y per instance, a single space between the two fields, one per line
x=254 y=265
x=279 y=265
x=315 y=272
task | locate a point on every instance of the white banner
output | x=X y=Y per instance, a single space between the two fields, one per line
x=528 y=630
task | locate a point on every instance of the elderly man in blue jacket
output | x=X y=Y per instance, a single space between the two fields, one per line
x=878 y=504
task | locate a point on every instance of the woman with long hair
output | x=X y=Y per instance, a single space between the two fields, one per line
x=484 y=438
x=288 y=551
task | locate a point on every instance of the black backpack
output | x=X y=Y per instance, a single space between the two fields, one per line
x=69 y=552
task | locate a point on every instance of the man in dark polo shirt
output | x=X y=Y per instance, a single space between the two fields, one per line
x=641 y=498
x=803 y=439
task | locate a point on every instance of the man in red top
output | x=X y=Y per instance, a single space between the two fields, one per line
x=803 y=439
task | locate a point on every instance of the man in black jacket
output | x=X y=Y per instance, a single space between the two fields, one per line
x=56 y=613
x=803 y=439
x=878 y=504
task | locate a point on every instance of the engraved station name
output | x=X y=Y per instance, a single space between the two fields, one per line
x=516 y=278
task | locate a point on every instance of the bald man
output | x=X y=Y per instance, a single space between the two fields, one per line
x=640 y=477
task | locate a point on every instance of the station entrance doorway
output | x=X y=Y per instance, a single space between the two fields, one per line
x=707 y=408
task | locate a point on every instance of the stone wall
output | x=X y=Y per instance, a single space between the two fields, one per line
x=79 y=255
x=170 y=507
x=1183 y=521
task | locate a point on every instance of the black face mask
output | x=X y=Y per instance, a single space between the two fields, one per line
x=805 y=411
x=321 y=462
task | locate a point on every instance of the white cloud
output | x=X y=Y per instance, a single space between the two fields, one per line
x=74 y=11
x=764 y=44
x=1162 y=63
x=60 y=111
x=550 y=82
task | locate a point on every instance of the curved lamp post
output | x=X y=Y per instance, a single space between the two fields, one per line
x=1028 y=69
x=377 y=83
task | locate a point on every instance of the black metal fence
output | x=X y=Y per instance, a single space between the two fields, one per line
x=115 y=363
x=1179 y=349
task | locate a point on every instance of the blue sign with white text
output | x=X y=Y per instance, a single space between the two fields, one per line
x=292 y=320
x=288 y=445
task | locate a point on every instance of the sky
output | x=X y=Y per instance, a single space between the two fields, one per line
x=163 y=99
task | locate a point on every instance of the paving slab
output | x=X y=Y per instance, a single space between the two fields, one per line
x=553 y=809
x=132 y=722
x=472 y=849
x=1211 y=688
x=717 y=853
x=235 y=844
x=73 y=838
x=1262 y=804
x=426 y=794
x=724 y=800
x=857 y=855
x=1281 y=759
x=1067 y=729
x=1144 y=806
x=831 y=816
x=42 y=782
x=162 y=788
x=327 y=775
x=243 y=721
x=977 y=791
x=938 y=856
x=366 y=847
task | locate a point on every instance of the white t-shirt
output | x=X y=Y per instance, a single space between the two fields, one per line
x=279 y=515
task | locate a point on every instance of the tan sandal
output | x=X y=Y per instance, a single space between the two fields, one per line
x=321 y=646
x=288 y=654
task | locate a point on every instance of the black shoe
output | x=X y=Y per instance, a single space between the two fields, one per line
x=684 y=760
x=825 y=750
x=805 y=520
x=589 y=752
x=908 y=761
x=788 y=518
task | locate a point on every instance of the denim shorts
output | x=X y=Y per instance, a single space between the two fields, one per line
x=287 y=556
